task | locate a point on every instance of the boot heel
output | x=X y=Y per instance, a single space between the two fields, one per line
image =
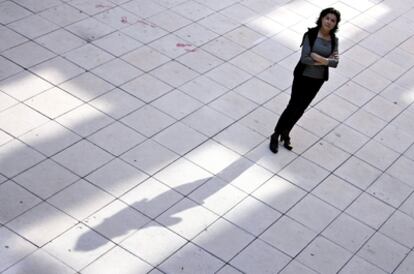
x=274 y=143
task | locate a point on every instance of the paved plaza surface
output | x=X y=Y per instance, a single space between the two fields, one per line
x=134 y=139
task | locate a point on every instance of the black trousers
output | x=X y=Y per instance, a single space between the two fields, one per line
x=304 y=89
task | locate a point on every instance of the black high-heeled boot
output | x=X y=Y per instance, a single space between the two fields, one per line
x=274 y=142
x=284 y=137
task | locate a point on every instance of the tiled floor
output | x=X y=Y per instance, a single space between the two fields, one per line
x=134 y=139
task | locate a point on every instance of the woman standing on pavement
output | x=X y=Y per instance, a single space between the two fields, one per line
x=319 y=52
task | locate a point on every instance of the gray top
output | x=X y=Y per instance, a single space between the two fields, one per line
x=321 y=47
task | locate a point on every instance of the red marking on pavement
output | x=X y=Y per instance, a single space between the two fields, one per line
x=190 y=50
x=182 y=45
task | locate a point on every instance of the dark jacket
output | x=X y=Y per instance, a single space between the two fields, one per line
x=312 y=34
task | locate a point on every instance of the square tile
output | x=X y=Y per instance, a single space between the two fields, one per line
x=145 y=58
x=313 y=213
x=76 y=200
x=336 y=192
x=354 y=93
x=336 y=107
x=117 y=43
x=348 y=232
x=217 y=196
x=370 y=152
x=152 y=198
x=203 y=89
x=10 y=38
x=357 y=264
x=245 y=37
x=172 y=46
x=35 y=263
x=146 y=87
x=42 y=224
x=192 y=10
x=218 y=23
x=17 y=157
x=372 y=81
x=33 y=26
x=196 y=34
x=14 y=248
x=252 y=215
x=400 y=227
x=407 y=265
x=174 y=74
x=20 y=119
x=187 y=218
x=288 y=236
x=228 y=75
x=86 y=86
x=346 y=138
x=57 y=70
x=207 y=121
x=324 y=256
x=116 y=221
x=169 y=104
x=143 y=9
x=153 y=243
x=117 y=72
x=390 y=190
x=233 y=105
x=50 y=138
x=256 y=90
x=370 y=211
x=326 y=155
x=92 y=7
x=82 y=158
x=84 y=120
x=150 y=157
x=4 y=138
x=116 y=177
x=116 y=138
x=239 y=138
x=223 y=48
x=279 y=194
x=180 y=138
x=24 y=85
x=189 y=178
x=191 y=259
x=260 y=257
x=148 y=120
x=318 y=124
x=383 y=109
x=223 y=239
x=272 y=50
x=212 y=156
x=277 y=76
x=394 y=137
x=14 y=201
x=116 y=17
x=383 y=252
x=252 y=63
x=402 y=171
x=28 y=54
x=295 y=267
x=63 y=15
x=169 y=20
x=304 y=173
x=88 y=56
x=245 y=175
x=36 y=7
x=117 y=259
x=358 y=173
x=199 y=60
x=60 y=41
x=53 y=102
x=11 y=12
x=125 y=103
x=8 y=68
x=78 y=247
x=143 y=30
x=46 y=178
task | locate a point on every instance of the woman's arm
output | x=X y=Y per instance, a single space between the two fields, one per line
x=305 y=57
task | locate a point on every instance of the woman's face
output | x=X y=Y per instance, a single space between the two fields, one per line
x=329 y=21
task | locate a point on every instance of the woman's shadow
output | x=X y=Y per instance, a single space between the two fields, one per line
x=108 y=224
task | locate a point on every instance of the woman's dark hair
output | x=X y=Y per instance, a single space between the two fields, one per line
x=324 y=13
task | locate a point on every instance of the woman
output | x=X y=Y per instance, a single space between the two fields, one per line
x=319 y=52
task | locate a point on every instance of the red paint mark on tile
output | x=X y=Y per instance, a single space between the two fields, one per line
x=146 y=23
x=187 y=47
